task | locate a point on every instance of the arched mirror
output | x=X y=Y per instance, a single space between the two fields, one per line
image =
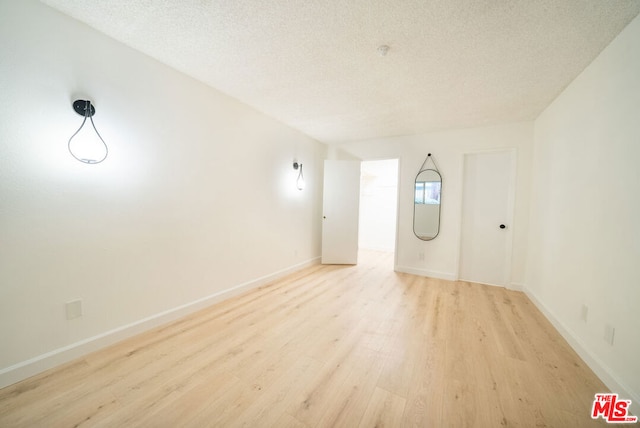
x=426 y=202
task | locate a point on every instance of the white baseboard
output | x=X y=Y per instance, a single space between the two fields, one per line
x=425 y=272
x=599 y=368
x=40 y=363
x=516 y=286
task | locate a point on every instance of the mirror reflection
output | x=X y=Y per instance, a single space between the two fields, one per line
x=426 y=204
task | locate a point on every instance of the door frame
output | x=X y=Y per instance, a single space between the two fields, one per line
x=511 y=204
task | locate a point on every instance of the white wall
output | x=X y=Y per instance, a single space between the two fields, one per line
x=585 y=235
x=197 y=196
x=448 y=149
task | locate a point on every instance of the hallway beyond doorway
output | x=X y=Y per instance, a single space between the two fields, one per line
x=378 y=205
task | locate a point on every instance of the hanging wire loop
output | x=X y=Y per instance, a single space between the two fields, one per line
x=86 y=109
x=424 y=164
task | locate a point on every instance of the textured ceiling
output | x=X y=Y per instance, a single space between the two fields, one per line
x=315 y=64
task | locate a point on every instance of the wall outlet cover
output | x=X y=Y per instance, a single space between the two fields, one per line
x=584 y=313
x=609 y=333
x=74 y=309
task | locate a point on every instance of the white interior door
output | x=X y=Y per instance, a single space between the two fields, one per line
x=341 y=200
x=487 y=213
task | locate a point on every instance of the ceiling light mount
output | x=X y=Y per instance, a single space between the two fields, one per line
x=383 y=50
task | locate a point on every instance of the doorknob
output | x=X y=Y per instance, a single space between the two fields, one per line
x=502 y=226
x=324 y=216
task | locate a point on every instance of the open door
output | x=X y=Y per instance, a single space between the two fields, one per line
x=341 y=201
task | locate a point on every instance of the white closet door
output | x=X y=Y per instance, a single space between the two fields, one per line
x=487 y=213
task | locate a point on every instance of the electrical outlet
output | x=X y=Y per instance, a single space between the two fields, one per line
x=421 y=256
x=609 y=333
x=584 y=313
x=74 y=309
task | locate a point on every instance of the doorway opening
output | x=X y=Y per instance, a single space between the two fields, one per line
x=378 y=206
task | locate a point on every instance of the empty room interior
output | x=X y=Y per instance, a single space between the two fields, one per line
x=318 y=214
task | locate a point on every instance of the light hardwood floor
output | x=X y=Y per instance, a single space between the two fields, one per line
x=349 y=346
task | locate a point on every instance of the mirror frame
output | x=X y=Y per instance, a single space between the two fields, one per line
x=423 y=169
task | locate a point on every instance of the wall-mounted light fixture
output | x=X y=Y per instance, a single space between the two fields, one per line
x=87 y=146
x=300 y=180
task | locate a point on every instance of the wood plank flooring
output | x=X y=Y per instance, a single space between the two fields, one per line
x=329 y=346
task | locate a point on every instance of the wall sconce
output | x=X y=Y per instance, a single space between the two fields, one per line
x=300 y=179
x=87 y=146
